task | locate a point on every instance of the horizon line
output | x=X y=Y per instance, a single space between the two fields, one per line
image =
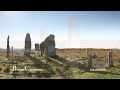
x=64 y=48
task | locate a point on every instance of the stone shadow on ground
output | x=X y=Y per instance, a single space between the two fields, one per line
x=74 y=64
x=66 y=64
x=117 y=61
x=41 y=65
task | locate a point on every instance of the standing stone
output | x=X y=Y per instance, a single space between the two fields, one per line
x=50 y=46
x=88 y=58
x=36 y=46
x=27 y=44
x=94 y=56
x=110 y=58
x=12 y=52
x=42 y=48
x=86 y=53
x=8 y=48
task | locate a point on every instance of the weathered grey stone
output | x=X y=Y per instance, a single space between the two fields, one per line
x=88 y=58
x=8 y=48
x=12 y=52
x=94 y=56
x=27 y=44
x=110 y=58
x=36 y=46
x=42 y=48
x=50 y=46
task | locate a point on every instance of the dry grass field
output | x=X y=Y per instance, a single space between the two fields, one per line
x=68 y=64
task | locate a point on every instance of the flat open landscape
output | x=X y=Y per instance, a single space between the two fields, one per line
x=67 y=64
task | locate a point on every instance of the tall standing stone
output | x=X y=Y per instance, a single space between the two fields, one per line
x=110 y=58
x=88 y=58
x=50 y=46
x=86 y=53
x=42 y=48
x=27 y=44
x=36 y=46
x=12 y=52
x=8 y=48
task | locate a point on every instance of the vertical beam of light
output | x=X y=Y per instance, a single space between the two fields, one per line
x=73 y=33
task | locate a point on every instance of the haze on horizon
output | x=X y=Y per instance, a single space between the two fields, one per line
x=72 y=29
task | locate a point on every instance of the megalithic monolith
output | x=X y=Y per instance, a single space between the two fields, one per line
x=12 y=52
x=27 y=44
x=50 y=46
x=42 y=48
x=110 y=58
x=8 y=48
x=36 y=46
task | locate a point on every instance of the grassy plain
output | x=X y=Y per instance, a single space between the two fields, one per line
x=67 y=64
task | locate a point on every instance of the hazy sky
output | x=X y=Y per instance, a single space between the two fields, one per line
x=76 y=29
